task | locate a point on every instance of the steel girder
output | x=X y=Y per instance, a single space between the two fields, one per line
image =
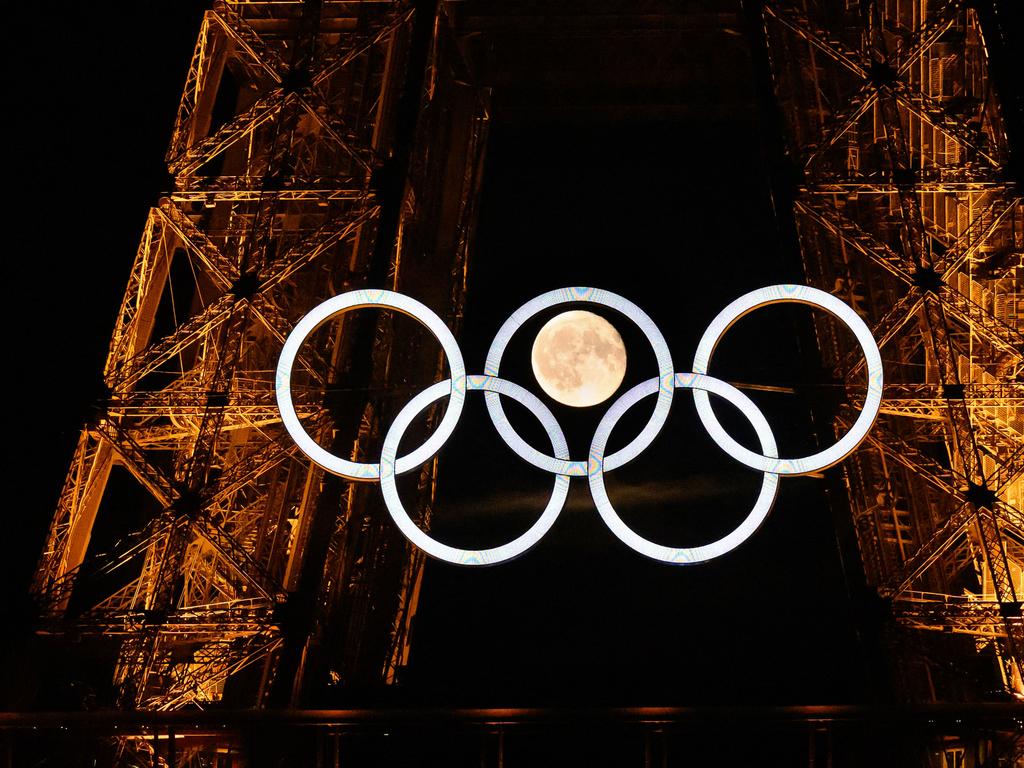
x=903 y=211
x=273 y=210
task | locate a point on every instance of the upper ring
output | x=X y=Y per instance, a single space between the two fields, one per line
x=798 y=294
x=354 y=470
x=666 y=375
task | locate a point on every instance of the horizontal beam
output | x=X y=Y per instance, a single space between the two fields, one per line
x=997 y=714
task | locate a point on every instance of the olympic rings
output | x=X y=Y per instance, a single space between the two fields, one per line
x=560 y=463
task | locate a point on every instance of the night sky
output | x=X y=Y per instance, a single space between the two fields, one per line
x=675 y=215
x=96 y=106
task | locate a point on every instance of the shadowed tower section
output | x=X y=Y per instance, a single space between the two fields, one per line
x=905 y=209
x=194 y=550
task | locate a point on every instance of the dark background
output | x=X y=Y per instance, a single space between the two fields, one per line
x=676 y=215
x=582 y=618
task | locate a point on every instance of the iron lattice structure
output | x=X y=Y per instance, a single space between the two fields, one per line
x=324 y=146
x=903 y=210
x=231 y=567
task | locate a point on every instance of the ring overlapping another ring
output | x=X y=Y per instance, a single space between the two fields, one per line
x=798 y=294
x=666 y=373
x=682 y=555
x=560 y=464
x=346 y=302
x=431 y=546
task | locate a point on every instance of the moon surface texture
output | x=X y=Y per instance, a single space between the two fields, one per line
x=579 y=358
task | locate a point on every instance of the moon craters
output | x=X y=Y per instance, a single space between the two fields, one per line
x=579 y=358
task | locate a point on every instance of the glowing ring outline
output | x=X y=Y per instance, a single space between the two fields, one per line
x=665 y=385
x=798 y=294
x=456 y=555
x=666 y=374
x=346 y=302
x=682 y=555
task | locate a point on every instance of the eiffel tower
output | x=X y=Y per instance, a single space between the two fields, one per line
x=904 y=209
x=290 y=151
x=326 y=146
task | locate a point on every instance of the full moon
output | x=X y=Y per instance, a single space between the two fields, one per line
x=579 y=358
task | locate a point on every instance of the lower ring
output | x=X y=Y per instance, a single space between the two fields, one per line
x=456 y=555
x=682 y=555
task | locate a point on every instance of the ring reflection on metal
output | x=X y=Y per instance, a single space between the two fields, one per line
x=472 y=556
x=559 y=463
x=682 y=555
x=799 y=294
x=346 y=302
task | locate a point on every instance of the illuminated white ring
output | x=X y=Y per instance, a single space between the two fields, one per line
x=355 y=300
x=799 y=294
x=666 y=372
x=682 y=555
x=430 y=545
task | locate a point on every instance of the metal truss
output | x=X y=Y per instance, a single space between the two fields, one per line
x=204 y=508
x=904 y=212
